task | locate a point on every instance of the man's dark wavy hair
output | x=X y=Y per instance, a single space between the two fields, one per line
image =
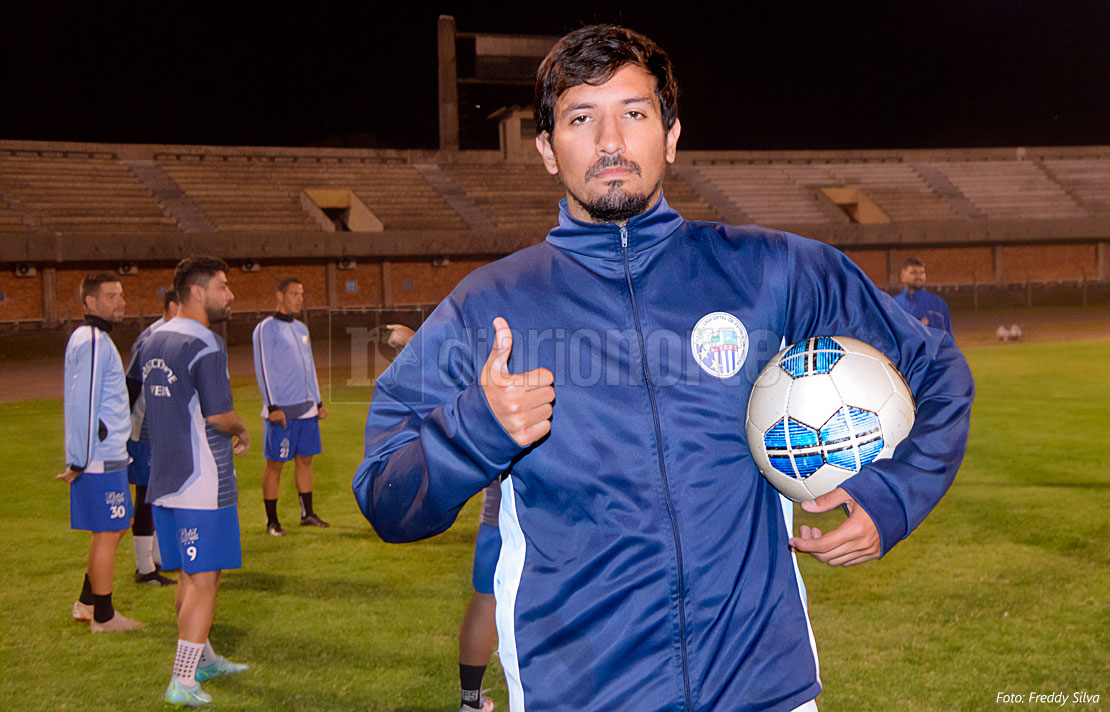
x=195 y=270
x=592 y=55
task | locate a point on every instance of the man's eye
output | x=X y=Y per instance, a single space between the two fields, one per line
x=636 y=114
x=580 y=119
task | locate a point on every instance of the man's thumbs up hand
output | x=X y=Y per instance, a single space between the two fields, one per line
x=521 y=402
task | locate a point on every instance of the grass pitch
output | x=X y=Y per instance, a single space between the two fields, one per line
x=1004 y=589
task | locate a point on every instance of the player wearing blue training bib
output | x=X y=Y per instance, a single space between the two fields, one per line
x=97 y=425
x=192 y=424
x=291 y=403
x=138 y=446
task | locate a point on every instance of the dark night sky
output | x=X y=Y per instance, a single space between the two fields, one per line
x=895 y=74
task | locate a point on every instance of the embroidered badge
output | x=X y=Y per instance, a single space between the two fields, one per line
x=720 y=344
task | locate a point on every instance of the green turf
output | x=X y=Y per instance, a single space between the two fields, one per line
x=1004 y=589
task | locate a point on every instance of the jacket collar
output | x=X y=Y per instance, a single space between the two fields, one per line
x=102 y=324
x=912 y=295
x=603 y=240
x=288 y=318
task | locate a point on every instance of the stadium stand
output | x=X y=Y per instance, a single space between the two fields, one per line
x=1007 y=190
x=263 y=193
x=92 y=194
x=1003 y=219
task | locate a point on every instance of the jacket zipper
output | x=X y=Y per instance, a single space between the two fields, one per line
x=662 y=471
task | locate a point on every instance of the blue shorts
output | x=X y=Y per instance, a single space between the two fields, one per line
x=138 y=472
x=302 y=437
x=198 y=539
x=100 y=502
x=487 y=547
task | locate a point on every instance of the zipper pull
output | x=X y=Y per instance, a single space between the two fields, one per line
x=624 y=237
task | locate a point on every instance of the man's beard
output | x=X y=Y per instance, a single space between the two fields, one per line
x=615 y=205
x=217 y=314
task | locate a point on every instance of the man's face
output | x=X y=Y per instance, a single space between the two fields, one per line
x=108 y=304
x=291 y=301
x=217 y=298
x=609 y=147
x=913 y=276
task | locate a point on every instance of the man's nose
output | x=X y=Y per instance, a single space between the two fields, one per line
x=610 y=140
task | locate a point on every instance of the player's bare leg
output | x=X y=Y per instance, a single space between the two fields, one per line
x=477 y=641
x=102 y=573
x=302 y=468
x=271 y=485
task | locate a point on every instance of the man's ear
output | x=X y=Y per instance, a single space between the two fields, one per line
x=547 y=152
x=672 y=140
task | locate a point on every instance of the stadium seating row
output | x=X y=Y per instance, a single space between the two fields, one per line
x=56 y=192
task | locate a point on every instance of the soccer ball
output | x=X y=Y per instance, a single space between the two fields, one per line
x=821 y=410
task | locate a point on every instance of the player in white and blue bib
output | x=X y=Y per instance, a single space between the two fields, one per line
x=97 y=425
x=192 y=425
x=138 y=446
x=478 y=632
x=291 y=403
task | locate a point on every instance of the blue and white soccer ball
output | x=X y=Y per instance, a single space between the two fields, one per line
x=821 y=410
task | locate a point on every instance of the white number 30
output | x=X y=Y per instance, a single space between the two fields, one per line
x=192 y=552
x=117 y=511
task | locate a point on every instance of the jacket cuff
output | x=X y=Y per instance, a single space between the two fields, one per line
x=871 y=492
x=480 y=426
x=76 y=468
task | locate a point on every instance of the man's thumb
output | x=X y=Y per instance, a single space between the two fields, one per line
x=502 y=345
x=828 y=501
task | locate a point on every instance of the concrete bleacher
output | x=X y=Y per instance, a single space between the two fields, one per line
x=248 y=193
x=789 y=193
x=9 y=219
x=79 y=194
x=1087 y=180
x=524 y=195
x=509 y=194
x=1010 y=190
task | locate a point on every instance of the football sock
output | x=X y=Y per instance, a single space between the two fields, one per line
x=144 y=514
x=306 y=504
x=102 y=608
x=208 y=655
x=144 y=553
x=271 y=511
x=86 y=592
x=186 y=660
x=156 y=554
x=471 y=678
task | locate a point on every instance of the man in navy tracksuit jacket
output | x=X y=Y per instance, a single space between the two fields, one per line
x=645 y=563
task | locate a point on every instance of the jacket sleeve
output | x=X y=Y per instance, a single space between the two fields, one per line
x=83 y=376
x=261 y=368
x=830 y=296
x=134 y=374
x=432 y=441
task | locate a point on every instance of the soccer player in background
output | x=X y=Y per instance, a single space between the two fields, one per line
x=97 y=425
x=291 y=405
x=928 y=308
x=478 y=631
x=138 y=446
x=194 y=433
x=645 y=564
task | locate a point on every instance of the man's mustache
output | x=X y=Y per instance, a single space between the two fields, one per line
x=611 y=162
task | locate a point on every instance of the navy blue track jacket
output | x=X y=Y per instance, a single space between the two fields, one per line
x=644 y=561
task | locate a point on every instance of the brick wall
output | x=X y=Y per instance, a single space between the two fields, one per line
x=952 y=265
x=22 y=296
x=422 y=283
x=254 y=291
x=1049 y=263
x=873 y=263
x=359 y=287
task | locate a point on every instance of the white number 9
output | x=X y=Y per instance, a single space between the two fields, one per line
x=192 y=552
